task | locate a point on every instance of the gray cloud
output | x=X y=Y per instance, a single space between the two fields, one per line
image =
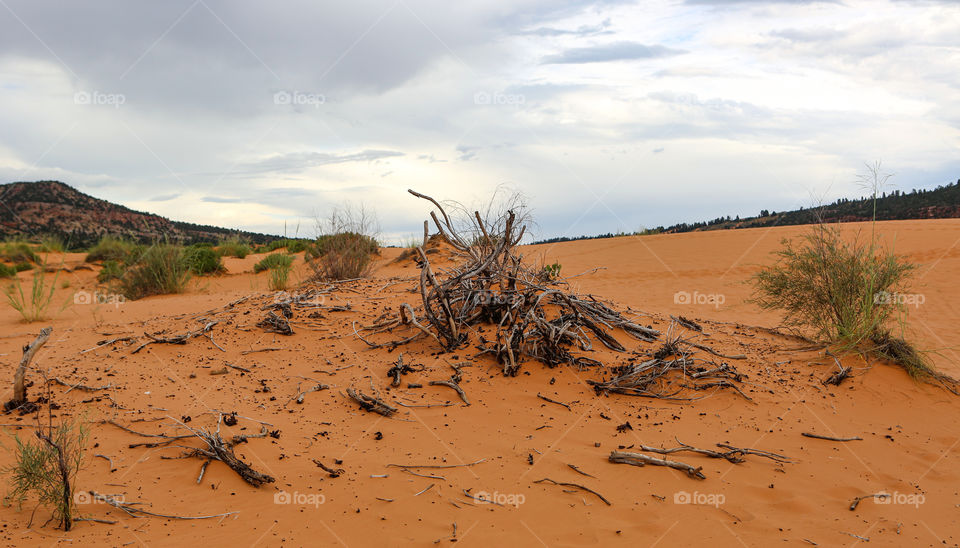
x=296 y=162
x=616 y=51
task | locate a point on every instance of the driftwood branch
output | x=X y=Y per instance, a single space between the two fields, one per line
x=19 y=386
x=639 y=459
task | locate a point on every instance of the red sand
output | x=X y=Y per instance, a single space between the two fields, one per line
x=909 y=430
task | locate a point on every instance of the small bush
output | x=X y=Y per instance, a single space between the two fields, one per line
x=161 y=269
x=17 y=252
x=344 y=256
x=234 y=248
x=112 y=270
x=272 y=261
x=7 y=271
x=829 y=286
x=46 y=466
x=203 y=260
x=111 y=249
x=22 y=267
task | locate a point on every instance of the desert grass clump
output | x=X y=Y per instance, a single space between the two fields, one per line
x=112 y=270
x=52 y=244
x=280 y=276
x=33 y=304
x=272 y=261
x=110 y=248
x=203 y=259
x=16 y=251
x=234 y=248
x=45 y=467
x=347 y=244
x=7 y=271
x=159 y=270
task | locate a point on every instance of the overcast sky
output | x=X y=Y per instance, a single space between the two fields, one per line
x=608 y=115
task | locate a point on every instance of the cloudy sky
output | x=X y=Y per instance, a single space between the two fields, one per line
x=608 y=115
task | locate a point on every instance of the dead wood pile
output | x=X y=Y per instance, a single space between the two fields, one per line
x=531 y=312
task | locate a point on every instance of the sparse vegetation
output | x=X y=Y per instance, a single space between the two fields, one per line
x=52 y=244
x=16 y=251
x=45 y=467
x=279 y=276
x=112 y=270
x=832 y=288
x=292 y=245
x=234 y=248
x=33 y=304
x=161 y=269
x=347 y=244
x=7 y=271
x=110 y=248
x=272 y=261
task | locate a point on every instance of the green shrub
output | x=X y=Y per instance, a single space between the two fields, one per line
x=344 y=256
x=17 y=252
x=21 y=267
x=112 y=270
x=110 y=248
x=159 y=270
x=7 y=271
x=272 y=261
x=203 y=260
x=45 y=467
x=829 y=286
x=234 y=248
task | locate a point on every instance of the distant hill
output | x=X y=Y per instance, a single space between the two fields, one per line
x=54 y=208
x=942 y=202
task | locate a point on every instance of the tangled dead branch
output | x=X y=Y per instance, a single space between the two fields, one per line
x=218 y=449
x=533 y=316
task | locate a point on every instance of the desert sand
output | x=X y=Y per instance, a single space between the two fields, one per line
x=508 y=438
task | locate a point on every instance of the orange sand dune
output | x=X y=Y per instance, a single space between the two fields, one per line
x=507 y=439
